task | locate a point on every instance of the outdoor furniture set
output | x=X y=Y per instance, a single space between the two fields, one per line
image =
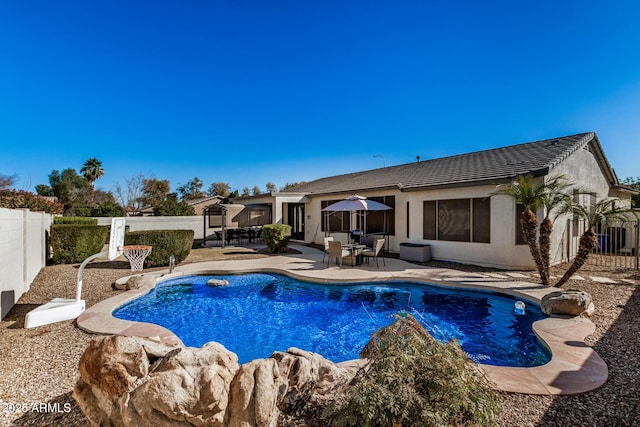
x=351 y=253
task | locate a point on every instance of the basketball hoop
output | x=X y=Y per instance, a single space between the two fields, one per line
x=136 y=255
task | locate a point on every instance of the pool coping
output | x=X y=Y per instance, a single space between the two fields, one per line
x=574 y=366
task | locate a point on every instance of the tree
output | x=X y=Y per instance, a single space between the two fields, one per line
x=634 y=184
x=534 y=196
x=271 y=187
x=130 y=196
x=154 y=191
x=221 y=189
x=602 y=211
x=70 y=188
x=107 y=209
x=256 y=190
x=104 y=204
x=7 y=181
x=92 y=170
x=289 y=185
x=172 y=207
x=555 y=195
x=246 y=192
x=43 y=190
x=192 y=190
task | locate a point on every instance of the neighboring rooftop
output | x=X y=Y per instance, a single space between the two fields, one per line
x=488 y=166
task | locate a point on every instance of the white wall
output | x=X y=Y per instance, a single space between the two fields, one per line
x=140 y=223
x=582 y=170
x=23 y=250
x=501 y=252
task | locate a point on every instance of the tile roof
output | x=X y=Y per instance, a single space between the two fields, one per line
x=487 y=166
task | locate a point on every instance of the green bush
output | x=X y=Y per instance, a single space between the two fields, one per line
x=276 y=236
x=412 y=379
x=80 y=220
x=164 y=242
x=74 y=243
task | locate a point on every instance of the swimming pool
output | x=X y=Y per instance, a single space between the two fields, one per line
x=257 y=314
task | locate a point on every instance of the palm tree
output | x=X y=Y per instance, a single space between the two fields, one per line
x=604 y=210
x=92 y=170
x=554 y=198
x=534 y=196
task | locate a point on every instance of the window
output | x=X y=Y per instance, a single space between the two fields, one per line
x=377 y=221
x=457 y=220
x=338 y=221
x=429 y=220
x=481 y=220
x=380 y=221
x=454 y=220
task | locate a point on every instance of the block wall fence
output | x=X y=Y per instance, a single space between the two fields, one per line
x=24 y=247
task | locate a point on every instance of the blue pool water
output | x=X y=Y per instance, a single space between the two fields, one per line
x=257 y=314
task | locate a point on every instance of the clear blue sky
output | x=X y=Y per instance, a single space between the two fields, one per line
x=247 y=92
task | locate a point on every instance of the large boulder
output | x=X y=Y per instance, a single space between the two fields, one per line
x=130 y=381
x=570 y=302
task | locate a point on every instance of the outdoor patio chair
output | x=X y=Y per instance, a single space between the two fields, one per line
x=343 y=237
x=374 y=252
x=326 y=246
x=336 y=251
x=242 y=235
x=230 y=235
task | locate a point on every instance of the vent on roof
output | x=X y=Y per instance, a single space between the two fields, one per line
x=554 y=142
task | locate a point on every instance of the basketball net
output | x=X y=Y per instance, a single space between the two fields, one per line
x=136 y=255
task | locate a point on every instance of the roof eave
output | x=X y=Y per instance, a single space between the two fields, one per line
x=475 y=183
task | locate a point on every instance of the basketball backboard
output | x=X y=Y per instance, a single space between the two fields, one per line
x=116 y=239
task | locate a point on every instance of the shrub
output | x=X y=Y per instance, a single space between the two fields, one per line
x=14 y=199
x=412 y=379
x=75 y=220
x=276 y=236
x=74 y=243
x=164 y=242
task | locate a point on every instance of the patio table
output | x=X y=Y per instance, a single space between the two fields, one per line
x=356 y=253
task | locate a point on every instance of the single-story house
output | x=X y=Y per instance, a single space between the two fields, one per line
x=449 y=203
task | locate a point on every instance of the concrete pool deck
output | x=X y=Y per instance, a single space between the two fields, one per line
x=574 y=367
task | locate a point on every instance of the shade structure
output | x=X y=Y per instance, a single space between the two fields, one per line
x=356 y=203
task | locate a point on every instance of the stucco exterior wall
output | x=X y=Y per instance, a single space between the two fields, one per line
x=501 y=252
x=23 y=251
x=584 y=173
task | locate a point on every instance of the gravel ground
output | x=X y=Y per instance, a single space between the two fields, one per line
x=38 y=367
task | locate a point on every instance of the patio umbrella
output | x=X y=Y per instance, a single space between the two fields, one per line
x=356 y=203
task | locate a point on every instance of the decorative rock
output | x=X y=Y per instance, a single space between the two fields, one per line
x=217 y=282
x=129 y=381
x=570 y=302
x=133 y=282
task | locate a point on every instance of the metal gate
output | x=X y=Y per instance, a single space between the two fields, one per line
x=617 y=245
